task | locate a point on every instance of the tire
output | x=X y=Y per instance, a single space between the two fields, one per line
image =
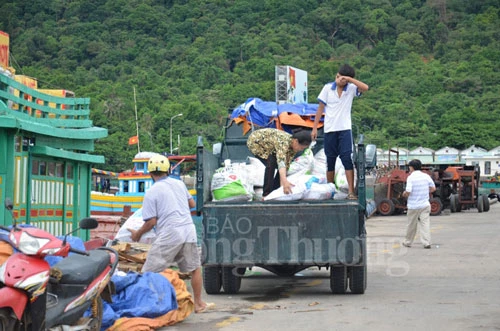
x=212 y=279
x=8 y=320
x=386 y=207
x=486 y=203
x=231 y=282
x=459 y=205
x=97 y=312
x=436 y=206
x=397 y=211
x=357 y=279
x=338 y=279
x=480 y=204
x=453 y=203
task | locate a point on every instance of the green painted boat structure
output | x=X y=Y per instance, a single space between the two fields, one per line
x=46 y=144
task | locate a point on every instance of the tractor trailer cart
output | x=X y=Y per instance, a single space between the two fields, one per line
x=283 y=237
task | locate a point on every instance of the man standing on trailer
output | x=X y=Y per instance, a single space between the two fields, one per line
x=335 y=100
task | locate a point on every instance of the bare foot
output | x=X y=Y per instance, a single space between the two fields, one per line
x=203 y=307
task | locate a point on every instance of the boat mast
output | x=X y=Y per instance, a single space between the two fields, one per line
x=136 y=123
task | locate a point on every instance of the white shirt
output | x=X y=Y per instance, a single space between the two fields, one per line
x=418 y=184
x=338 y=109
x=167 y=200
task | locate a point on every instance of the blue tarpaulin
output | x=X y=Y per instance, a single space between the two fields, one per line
x=139 y=295
x=263 y=113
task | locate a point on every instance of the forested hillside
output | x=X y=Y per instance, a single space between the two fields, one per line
x=432 y=66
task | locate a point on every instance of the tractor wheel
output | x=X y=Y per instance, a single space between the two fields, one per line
x=436 y=206
x=386 y=207
x=486 y=203
x=397 y=211
x=456 y=203
x=453 y=203
x=459 y=205
x=480 y=204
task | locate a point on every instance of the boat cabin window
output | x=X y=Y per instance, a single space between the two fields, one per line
x=142 y=186
x=125 y=186
x=18 y=143
x=69 y=171
x=139 y=167
x=34 y=167
x=43 y=168
x=59 y=170
x=52 y=169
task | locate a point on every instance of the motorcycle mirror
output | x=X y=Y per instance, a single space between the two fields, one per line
x=88 y=223
x=8 y=204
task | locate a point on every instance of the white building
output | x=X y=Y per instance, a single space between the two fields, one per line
x=447 y=155
x=425 y=155
x=488 y=161
x=392 y=156
x=473 y=151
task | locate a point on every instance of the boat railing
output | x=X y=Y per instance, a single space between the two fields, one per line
x=29 y=103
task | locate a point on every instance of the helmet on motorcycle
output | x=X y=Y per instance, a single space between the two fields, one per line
x=158 y=163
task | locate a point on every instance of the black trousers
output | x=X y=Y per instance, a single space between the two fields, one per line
x=271 y=175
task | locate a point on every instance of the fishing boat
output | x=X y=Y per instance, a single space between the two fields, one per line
x=493 y=182
x=131 y=185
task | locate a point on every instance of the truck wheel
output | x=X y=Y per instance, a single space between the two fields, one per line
x=231 y=281
x=212 y=279
x=436 y=206
x=338 y=279
x=480 y=204
x=486 y=203
x=386 y=207
x=357 y=279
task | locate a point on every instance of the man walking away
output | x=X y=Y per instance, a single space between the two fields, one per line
x=419 y=186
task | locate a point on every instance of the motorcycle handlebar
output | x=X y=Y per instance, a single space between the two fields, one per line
x=77 y=251
x=5 y=228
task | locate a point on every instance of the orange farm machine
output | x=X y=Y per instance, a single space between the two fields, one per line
x=457 y=188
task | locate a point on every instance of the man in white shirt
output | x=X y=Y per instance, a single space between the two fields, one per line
x=166 y=206
x=335 y=100
x=419 y=186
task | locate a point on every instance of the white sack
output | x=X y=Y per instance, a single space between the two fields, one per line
x=227 y=185
x=135 y=222
x=304 y=164
x=320 y=192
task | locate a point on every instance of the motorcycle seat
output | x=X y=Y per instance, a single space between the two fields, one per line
x=81 y=269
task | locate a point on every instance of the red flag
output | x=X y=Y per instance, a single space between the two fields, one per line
x=133 y=140
x=291 y=75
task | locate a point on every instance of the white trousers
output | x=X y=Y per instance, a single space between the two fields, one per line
x=416 y=216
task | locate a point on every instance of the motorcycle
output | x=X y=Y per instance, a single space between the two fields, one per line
x=66 y=296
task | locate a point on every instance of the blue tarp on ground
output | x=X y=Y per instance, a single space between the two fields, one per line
x=139 y=295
